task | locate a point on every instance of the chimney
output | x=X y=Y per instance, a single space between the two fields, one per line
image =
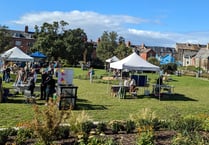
x=98 y=40
x=26 y=29
x=129 y=44
x=142 y=45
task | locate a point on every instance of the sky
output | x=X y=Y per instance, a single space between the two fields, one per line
x=152 y=22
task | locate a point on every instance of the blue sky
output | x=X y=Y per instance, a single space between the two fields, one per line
x=152 y=22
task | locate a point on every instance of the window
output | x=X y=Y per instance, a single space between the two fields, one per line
x=18 y=43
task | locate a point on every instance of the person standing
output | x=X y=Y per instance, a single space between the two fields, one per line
x=50 y=87
x=91 y=73
x=44 y=75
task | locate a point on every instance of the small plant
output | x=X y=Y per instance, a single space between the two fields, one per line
x=144 y=117
x=117 y=126
x=101 y=127
x=145 y=138
x=101 y=141
x=130 y=126
x=63 y=132
x=23 y=135
x=3 y=136
x=189 y=139
x=87 y=126
x=47 y=121
x=75 y=121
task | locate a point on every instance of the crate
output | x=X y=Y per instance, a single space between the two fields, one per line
x=68 y=96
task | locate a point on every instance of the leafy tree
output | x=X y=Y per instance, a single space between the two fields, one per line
x=48 y=40
x=56 y=42
x=122 y=50
x=5 y=39
x=154 y=61
x=169 y=68
x=107 y=45
x=74 y=42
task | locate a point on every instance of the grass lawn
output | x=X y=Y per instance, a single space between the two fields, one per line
x=190 y=97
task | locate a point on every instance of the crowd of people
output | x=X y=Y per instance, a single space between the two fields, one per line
x=26 y=75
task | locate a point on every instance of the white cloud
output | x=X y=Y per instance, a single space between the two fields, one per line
x=94 y=24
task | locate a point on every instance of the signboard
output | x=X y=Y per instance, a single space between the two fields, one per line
x=65 y=76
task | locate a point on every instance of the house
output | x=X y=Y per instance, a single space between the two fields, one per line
x=188 y=58
x=186 y=51
x=202 y=58
x=154 y=50
x=22 y=39
x=147 y=53
x=168 y=58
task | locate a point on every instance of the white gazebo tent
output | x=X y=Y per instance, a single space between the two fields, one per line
x=112 y=59
x=134 y=62
x=15 y=54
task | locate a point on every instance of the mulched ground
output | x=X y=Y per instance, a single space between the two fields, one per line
x=162 y=137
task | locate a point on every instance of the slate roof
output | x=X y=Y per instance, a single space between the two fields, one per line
x=203 y=53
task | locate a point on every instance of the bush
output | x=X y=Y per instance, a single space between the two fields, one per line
x=101 y=127
x=23 y=135
x=145 y=138
x=3 y=136
x=63 y=132
x=87 y=126
x=47 y=122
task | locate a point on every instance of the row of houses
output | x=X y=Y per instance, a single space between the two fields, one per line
x=186 y=54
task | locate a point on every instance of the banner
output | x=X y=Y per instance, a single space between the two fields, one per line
x=65 y=76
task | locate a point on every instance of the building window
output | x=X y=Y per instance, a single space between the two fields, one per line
x=18 y=43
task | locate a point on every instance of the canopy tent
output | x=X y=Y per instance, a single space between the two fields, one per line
x=38 y=54
x=15 y=54
x=112 y=59
x=134 y=62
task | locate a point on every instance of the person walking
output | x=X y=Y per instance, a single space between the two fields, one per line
x=91 y=73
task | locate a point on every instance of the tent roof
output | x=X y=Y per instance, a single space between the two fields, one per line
x=38 y=54
x=134 y=62
x=112 y=59
x=15 y=54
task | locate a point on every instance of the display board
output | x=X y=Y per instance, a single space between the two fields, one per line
x=141 y=80
x=65 y=77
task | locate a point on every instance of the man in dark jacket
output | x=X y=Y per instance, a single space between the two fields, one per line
x=44 y=75
x=50 y=87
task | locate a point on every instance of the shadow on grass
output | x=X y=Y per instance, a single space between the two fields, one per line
x=80 y=106
x=169 y=97
x=83 y=104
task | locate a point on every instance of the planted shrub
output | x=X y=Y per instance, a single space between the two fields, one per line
x=63 y=132
x=101 y=127
x=23 y=134
x=130 y=126
x=3 y=136
x=145 y=138
x=47 y=121
x=117 y=126
x=76 y=119
x=87 y=126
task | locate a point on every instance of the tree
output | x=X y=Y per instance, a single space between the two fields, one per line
x=48 y=40
x=5 y=39
x=154 y=61
x=107 y=45
x=56 y=42
x=74 y=42
x=122 y=50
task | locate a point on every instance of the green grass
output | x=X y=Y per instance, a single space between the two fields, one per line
x=191 y=97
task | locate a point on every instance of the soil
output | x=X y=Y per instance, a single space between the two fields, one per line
x=161 y=137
